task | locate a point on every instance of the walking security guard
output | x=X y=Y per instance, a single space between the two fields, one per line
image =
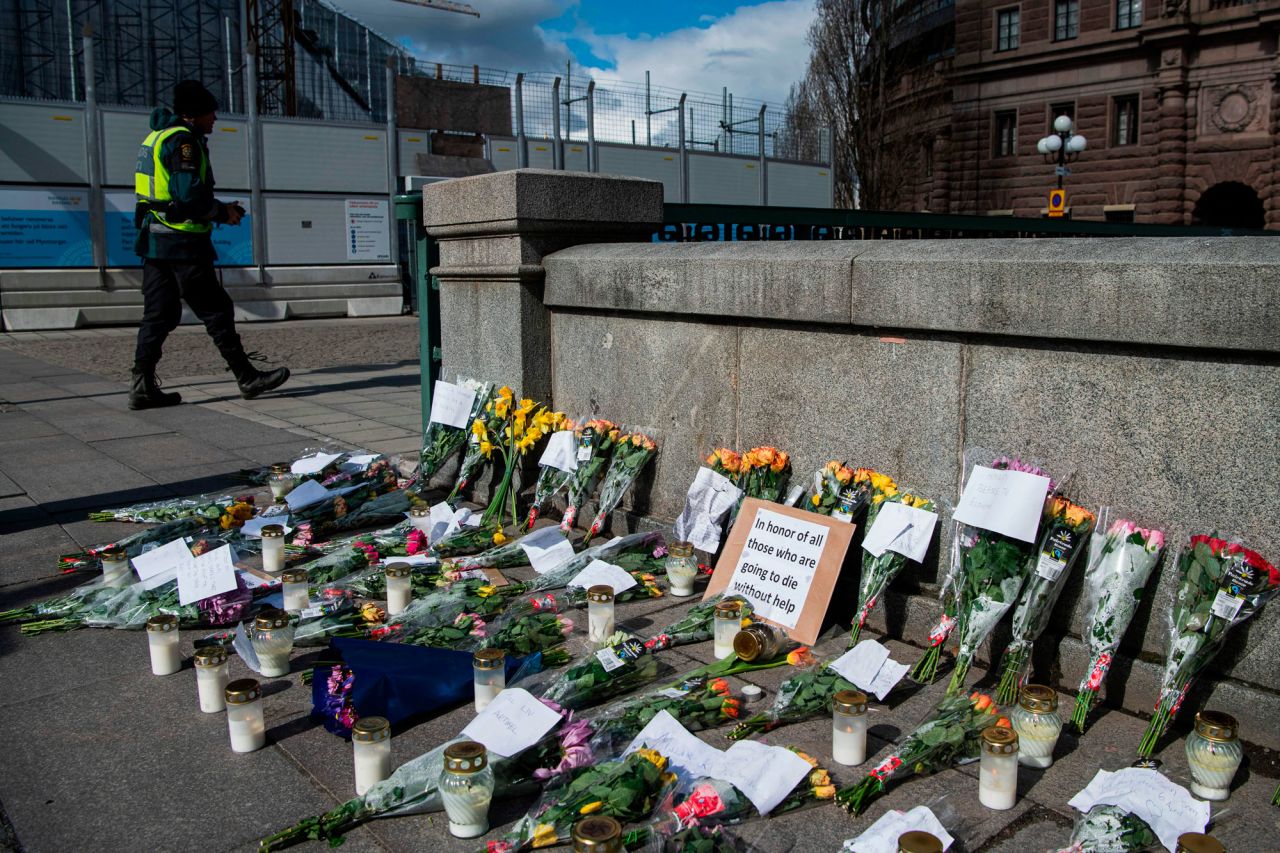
x=175 y=214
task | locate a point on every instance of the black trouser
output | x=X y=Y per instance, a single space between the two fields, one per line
x=164 y=285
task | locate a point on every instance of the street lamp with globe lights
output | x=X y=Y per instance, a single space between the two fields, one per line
x=1063 y=143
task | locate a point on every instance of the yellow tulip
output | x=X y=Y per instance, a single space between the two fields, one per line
x=816 y=500
x=654 y=757
x=591 y=807
x=544 y=835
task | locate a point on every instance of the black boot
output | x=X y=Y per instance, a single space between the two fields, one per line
x=252 y=381
x=146 y=394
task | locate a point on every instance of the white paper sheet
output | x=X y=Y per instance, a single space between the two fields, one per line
x=313 y=464
x=212 y=573
x=252 y=528
x=163 y=560
x=1008 y=502
x=766 y=774
x=451 y=404
x=561 y=451
x=882 y=836
x=547 y=549
x=600 y=572
x=305 y=494
x=903 y=529
x=1168 y=807
x=868 y=666
x=709 y=500
x=688 y=754
x=253 y=581
x=358 y=463
x=512 y=722
x=415 y=560
x=244 y=648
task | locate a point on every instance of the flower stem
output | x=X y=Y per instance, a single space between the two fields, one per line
x=926 y=669
x=855 y=631
x=856 y=798
x=956 y=685
x=1084 y=704
x=1011 y=677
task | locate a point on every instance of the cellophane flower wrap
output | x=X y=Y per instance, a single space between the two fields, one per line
x=626 y=789
x=828 y=482
x=765 y=471
x=442 y=441
x=696 y=625
x=596 y=438
x=1111 y=829
x=135 y=542
x=1064 y=536
x=630 y=455
x=951 y=733
x=806 y=694
x=526 y=425
x=879 y=572
x=620 y=667
x=484 y=432
x=551 y=481
x=207 y=507
x=1221 y=584
x=1119 y=565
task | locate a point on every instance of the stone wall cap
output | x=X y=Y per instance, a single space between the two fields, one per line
x=542 y=195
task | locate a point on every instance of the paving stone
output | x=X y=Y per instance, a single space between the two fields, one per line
x=162 y=451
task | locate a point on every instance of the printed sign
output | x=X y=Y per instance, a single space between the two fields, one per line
x=368 y=230
x=233 y=243
x=785 y=561
x=45 y=228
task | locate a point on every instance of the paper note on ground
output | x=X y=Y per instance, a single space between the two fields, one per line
x=689 y=755
x=903 y=529
x=358 y=463
x=868 y=666
x=313 y=464
x=244 y=648
x=1008 y=502
x=600 y=572
x=882 y=836
x=160 y=565
x=451 y=404
x=561 y=451
x=252 y=528
x=547 y=549
x=709 y=500
x=512 y=722
x=210 y=574
x=305 y=494
x=1168 y=807
x=766 y=774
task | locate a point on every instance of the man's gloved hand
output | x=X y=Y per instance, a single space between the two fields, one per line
x=234 y=213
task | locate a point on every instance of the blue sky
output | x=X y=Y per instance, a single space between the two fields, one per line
x=754 y=47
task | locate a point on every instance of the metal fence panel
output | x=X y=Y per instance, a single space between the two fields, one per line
x=503 y=153
x=799 y=185
x=575 y=158
x=42 y=143
x=541 y=155
x=411 y=143
x=723 y=180
x=124 y=130
x=308 y=230
x=315 y=157
x=653 y=163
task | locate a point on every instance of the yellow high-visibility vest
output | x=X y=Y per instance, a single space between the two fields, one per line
x=151 y=178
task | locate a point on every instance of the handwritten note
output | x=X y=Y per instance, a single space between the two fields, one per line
x=561 y=451
x=600 y=572
x=903 y=529
x=868 y=666
x=210 y=574
x=311 y=492
x=547 y=549
x=160 y=565
x=1168 y=807
x=882 y=836
x=1008 y=502
x=688 y=754
x=511 y=723
x=313 y=464
x=709 y=500
x=451 y=404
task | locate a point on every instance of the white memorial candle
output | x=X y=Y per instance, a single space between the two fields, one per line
x=273 y=548
x=293 y=586
x=245 y=722
x=489 y=666
x=466 y=789
x=399 y=587
x=162 y=640
x=211 y=678
x=728 y=622
x=998 y=770
x=599 y=614
x=273 y=641
x=1038 y=725
x=371 y=746
x=849 y=728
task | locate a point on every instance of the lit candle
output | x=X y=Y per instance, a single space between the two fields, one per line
x=162 y=640
x=115 y=566
x=728 y=622
x=211 y=678
x=489 y=666
x=399 y=587
x=1038 y=725
x=1214 y=754
x=281 y=480
x=420 y=517
x=849 y=728
x=599 y=613
x=371 y=746
x=597 y=834
x=293 y=583
x=466 y=788
x=273 y=548
x=273 y=641
x=244 y=715
x=682 y=568
x=998 y=770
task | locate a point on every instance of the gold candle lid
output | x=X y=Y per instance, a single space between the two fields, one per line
x=465 y=757
x=398 y=570
x=1038 y=699
x=419 y=511
x=272 y=531
x=850 y=702
x=162 y=622
x=600 y=593
x=1215 y=725
x=242 y=690
x=918 y=841
x=489 y=659
x=757 y=640
x=1198 y=842
x=729 y=609
x=271 y=619
x=999 y=740
x=371 y=730
x=680 y=549
x=112 y=553
x=596 y=834
x=281 y=468
x=209 y=656
x=294 y=576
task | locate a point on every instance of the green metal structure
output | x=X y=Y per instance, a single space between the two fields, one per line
x=423 y=254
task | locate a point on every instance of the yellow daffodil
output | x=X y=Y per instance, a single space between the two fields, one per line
x=499 y=537
x=816 y=500
x=654 y=757
x=594 y=806
x=501 y=407
x=486 y=449
x=544 y=835
x=486 y=590
x=505 y=393
x=478 y=430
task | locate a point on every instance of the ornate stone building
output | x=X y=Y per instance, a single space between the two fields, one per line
x=1178 y=102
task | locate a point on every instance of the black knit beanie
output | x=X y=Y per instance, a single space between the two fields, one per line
x=191 y=98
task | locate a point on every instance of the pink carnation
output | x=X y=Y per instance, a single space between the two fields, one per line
x=416 y=543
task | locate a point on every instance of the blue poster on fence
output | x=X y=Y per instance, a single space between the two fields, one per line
x=234 y=244
x=44 y=228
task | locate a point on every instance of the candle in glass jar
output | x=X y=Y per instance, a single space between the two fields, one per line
x=420 y=517
x=371 y=747
x=281 y=480
x=682 y=568
x=399 y=587
x=728 y=622
x=998 y=770
x=293 y=584
x=115 y=566
x=758 y=641
x=466 y=788
x=489 y=667
x=245 y=721
x=597 y=834
x=599 y=613
x=849 y=728
x=1038 y=725
x=1214 y=754
x=211 y=678
x=919 y=841
x=1198 y=842
x=162 y=640
x=273 y=641
x=273 y=548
